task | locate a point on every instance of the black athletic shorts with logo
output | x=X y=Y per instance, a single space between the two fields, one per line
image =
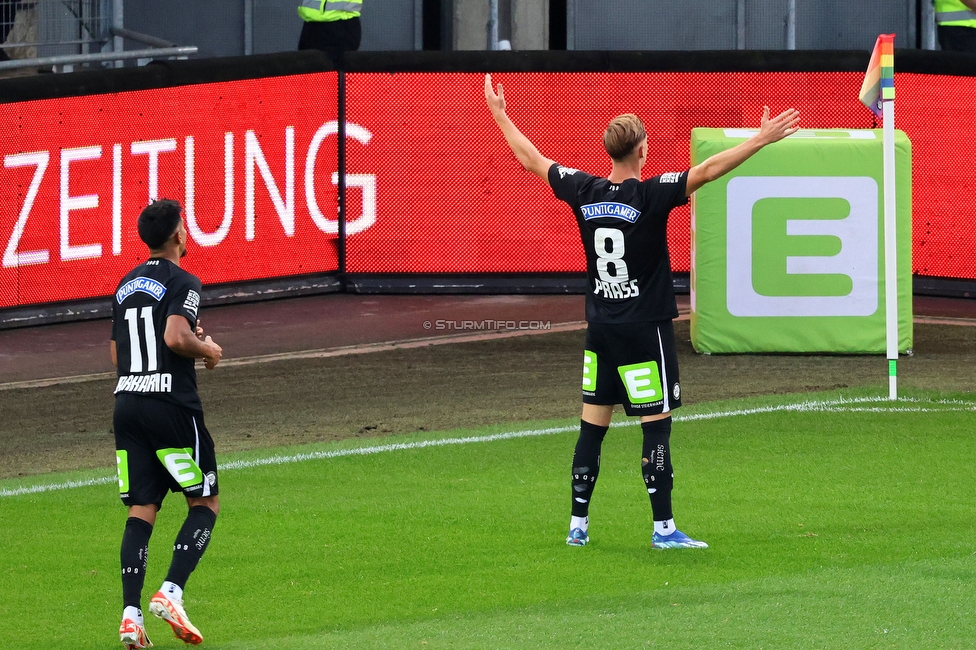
x=161 y=447
x=634 y=364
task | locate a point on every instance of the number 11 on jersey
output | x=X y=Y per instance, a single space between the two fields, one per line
x=135 y=340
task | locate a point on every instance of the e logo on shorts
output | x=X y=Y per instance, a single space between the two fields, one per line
x=181 y=466
x=589 y=371
x=833 y=270
x=642 y=381
x=122 y=464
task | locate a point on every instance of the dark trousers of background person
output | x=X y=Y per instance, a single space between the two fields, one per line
x=958 y=39
x=333 y=37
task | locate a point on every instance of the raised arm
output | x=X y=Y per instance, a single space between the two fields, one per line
x=770 y=131
x=521 y=146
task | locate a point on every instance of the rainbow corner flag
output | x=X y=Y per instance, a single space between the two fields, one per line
x=879 y=80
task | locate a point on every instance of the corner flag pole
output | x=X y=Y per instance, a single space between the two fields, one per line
x=891 y=257
x=878 y=94
x=887 y=97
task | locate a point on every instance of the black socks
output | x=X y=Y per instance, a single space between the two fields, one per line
x=134 y=554
x=586 y=465
x=191 y=542
x=656 y=467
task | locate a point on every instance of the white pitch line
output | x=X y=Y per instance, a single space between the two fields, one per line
x=832 y=406
x=379 y=449
x=54 y=487
x=839 y=405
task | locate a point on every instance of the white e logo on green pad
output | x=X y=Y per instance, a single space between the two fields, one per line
x=757 y=286
x=181 y=466
x=642 y=381
x=122 y=465
x=589 y=371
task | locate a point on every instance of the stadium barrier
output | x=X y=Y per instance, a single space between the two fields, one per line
x=433 y=199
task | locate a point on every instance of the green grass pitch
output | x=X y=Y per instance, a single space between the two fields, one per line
x=833 y=522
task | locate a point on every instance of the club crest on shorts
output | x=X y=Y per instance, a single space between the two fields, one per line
x=676 y=391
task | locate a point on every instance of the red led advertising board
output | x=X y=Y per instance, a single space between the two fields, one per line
x=250 y=160
x=432 y=186
x=936 y=112
x=456 y=200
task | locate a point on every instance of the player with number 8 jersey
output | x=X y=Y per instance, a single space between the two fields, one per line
x=623 y=226
x=161 y=441
x=630 y=356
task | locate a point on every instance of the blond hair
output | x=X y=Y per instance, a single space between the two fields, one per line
x=622 y=136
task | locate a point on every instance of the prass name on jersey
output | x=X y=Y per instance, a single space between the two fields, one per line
x=617 y=290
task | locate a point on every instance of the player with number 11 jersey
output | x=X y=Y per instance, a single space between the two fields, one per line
x=146 y=297
x=161 y=442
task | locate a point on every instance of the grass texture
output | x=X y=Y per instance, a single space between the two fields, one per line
x=834 y=521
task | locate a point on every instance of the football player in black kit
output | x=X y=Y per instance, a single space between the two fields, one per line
x=161 y=441
x=630 y=355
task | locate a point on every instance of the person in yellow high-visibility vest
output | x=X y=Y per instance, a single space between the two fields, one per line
x=330 y=25
x=957 y=24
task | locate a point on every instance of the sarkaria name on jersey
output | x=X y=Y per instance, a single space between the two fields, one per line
x=610 y=210
x=160 y=382
x=618 y=290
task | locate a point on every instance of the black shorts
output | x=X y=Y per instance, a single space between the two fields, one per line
x=634 y=364
x=161 y=447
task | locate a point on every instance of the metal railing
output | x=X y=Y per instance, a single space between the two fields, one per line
x=53 y=27
x=65 y=33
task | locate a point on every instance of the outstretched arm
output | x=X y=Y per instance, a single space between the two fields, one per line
x=770 y=131
x=521 y=146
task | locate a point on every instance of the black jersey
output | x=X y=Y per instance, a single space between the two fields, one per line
x=145 y=298
x=624 y=231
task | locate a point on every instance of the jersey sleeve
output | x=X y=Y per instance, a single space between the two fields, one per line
x=186 y=301
x=667 y=191
x=563 y=181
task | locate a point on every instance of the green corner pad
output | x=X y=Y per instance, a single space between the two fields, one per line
x=788 y=249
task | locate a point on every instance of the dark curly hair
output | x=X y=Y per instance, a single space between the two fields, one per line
x=158 y=221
